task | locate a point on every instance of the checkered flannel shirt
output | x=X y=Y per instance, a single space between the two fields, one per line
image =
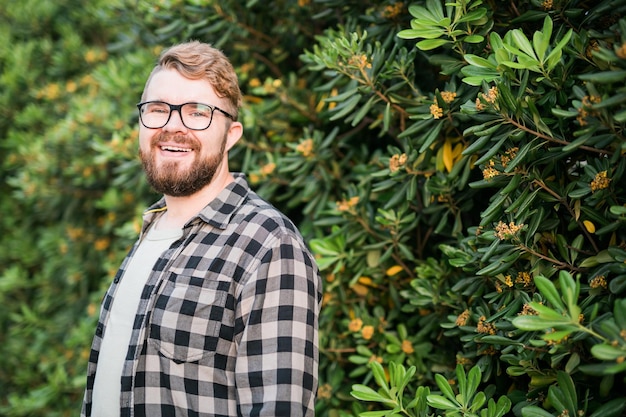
x=227 y=322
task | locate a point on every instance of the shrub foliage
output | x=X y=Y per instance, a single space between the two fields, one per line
x=457 y=167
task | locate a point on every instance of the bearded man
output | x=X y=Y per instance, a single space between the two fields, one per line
x=214 y=311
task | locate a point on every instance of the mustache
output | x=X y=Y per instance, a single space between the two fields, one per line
x=176 y=138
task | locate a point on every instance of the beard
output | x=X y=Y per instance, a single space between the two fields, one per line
x=169 y=178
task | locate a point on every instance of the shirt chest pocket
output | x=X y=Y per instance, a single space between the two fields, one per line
x=185 y=322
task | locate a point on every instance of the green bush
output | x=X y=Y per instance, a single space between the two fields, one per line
x=458 y=169
x=65 y=101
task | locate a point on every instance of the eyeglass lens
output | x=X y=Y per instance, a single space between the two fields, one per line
x=156 y=114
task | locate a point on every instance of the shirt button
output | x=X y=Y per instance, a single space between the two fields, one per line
x=116 y=279
x=99 y=329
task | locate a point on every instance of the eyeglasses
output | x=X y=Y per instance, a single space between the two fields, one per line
x=195 y=116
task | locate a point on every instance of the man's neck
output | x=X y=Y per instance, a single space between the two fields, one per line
x=181 y=209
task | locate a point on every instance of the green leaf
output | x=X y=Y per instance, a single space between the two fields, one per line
x=541 y=40
x=473 y=39
x=513 y=185
x=532 y=323
x=604 y=77
x=406 y=379
x=364 y=110
x=549 y=292
x=461 y=378
x=429 y=44
x=474 y=15
x=497 y=266
x=426 y=33
x=606 y=352
x=477 y=76
x=478 y=401
x=618 y=284
x=572 y=363
x=570 y=289
x=487 y=131
x=566 y=384
x=323 y=247
x=479 y=61
x=385 y=413
x=379 y=375
x=548 y=312
x=520 y=156
x=441 y=403
x=499 y=340
x=564 y=113
x=619 y=313
x=562 y=246
x=534 y=411
x=346 y=107
x=555 y=55
x=556 y=398
x=533 y=66
x=503 y=406
x=435 y=8
x=444 y=386
x=491 y=151
x=365 y=393
x=421 y=13
x=387 y=117
x=340 y=98
x=473 y=380
x=558 y=335
x=523 y=43
x=577 y=244
x=612 y=408
x=431 y=136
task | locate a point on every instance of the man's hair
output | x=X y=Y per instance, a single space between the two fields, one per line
x=200 y=61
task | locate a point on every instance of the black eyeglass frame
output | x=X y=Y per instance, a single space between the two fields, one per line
x=179 y=107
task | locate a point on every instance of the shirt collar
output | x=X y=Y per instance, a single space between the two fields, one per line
x=218 y=212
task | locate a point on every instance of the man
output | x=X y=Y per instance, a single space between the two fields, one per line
x=214 y=310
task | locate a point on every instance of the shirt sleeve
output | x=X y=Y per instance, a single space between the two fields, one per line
x=276 y=371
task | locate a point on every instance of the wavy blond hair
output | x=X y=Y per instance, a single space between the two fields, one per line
x=201 y=61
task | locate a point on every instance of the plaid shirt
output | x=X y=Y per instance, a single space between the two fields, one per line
x=227 y=322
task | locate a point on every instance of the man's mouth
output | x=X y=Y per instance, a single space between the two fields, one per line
x=174 y=149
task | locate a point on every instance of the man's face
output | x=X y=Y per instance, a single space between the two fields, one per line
x=179 y=161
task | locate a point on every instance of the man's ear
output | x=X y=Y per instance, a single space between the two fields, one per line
x=235 y=131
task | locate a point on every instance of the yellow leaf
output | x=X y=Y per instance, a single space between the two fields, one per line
x=448 y=159
x=456 y=152
x=361 y=290
x=365 y=280
x=320 y=105
x=393 y=270
x=253 y=100
x=333 y=93
x=591 y=228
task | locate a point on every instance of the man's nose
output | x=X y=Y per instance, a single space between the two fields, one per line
x=175 y=123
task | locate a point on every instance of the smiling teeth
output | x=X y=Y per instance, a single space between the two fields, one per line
x=175 y=149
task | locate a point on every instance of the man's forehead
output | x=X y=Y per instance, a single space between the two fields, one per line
x=169 y=84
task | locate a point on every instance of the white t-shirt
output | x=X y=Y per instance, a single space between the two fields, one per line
x=107 y=383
